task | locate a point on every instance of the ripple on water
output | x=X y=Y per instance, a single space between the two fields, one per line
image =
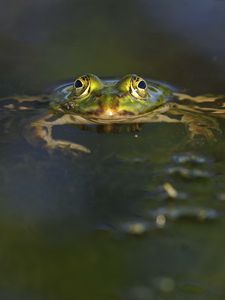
x=137 y=227
x=185 y=166
x=188 y=173
x=190 y=158
x=199 y=214
x=157 y=219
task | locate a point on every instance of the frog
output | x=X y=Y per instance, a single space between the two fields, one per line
x=130 y=100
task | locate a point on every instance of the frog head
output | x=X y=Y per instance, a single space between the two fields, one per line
x=131 y=95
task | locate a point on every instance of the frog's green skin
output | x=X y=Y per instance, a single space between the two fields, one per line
x=130 y=100
x=110 y=99
x=91 y=100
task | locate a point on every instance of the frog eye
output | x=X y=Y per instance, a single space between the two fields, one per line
x=138 y=87
x=142 y=85
x=78 y=83
x=81 y=86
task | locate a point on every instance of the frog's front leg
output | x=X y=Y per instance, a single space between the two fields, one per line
x=42 y=130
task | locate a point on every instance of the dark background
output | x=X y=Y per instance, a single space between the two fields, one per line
x=181 y=42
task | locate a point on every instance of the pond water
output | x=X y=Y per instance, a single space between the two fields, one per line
x=142 y=216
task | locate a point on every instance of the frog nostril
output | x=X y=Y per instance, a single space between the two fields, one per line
x=68 y=105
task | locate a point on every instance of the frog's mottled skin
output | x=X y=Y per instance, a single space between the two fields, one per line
x=130 y=96
x=93 y=101
x=130 y=100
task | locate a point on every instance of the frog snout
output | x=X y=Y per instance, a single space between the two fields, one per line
x=108 y=103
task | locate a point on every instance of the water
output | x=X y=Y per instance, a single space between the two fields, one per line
x=142 y=216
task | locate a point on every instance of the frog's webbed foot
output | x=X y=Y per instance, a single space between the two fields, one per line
x=42 y=131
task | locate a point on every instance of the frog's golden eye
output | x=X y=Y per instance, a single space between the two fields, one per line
x=81 y=86
x=138 y=87
x=85 y=85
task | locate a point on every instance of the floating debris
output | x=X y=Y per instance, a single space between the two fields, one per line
x=189 y=173
x=170 y=190
x=166 y=192
x=184 y=212
x=184 y=158
x=171 y=193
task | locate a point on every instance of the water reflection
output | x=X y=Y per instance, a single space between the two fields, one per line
x=59 y=181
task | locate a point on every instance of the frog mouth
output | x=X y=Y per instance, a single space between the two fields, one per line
x=109 y=113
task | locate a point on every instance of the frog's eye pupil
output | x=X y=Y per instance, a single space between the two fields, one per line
x=142 y=85
x=78 y=83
